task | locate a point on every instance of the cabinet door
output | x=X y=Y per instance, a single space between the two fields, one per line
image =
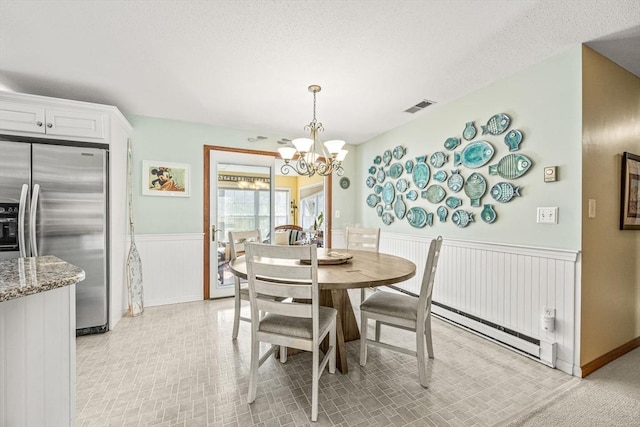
x=20 y=117
x=75 y=123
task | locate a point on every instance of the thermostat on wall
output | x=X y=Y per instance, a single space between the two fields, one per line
x=550 y=174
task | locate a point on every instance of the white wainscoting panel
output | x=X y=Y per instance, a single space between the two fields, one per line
x=171 y=267
x=507 y=285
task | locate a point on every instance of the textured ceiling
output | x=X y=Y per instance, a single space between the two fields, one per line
x=247 y=64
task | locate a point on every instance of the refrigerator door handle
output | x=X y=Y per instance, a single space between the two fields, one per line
x=32 y=221
x=22 y=208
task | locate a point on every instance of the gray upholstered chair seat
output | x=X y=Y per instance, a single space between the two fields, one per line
x=396 y=305
x=297 y=327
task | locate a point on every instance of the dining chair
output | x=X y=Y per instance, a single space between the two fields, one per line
x=294 y=324
x=404 y=312
x=237 y=241
x=363 y=239
x=295 y=233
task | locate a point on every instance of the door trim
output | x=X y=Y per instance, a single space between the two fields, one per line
x=207 y=202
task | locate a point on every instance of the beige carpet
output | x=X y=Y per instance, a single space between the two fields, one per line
x=608 y=397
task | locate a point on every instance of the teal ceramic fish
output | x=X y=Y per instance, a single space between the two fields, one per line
x=462 y=218
x=475 y=187
x=377 y=189
x=372 y=170
x=438 y=159
x=388 y=194
x=474 y=155
x=511 y=166
x=412 y=195
x=399 y=152
x=453 y=202
x=417 y=217
x=440 y=176
x=442 y=213
x=455 y=181
x=421 y=174
x=373 y=200
x=387 y=218
x=503 y=192
x=488 y=214
x=451 y=143
x=371 y=181
x=435 y=193
x=379 y=210
x=395 y=170
x=497 y=124
x=408 y=165
x=402 y=185
x=400 y=208
x=386 y=157
x=513 y=138
x=469 y=131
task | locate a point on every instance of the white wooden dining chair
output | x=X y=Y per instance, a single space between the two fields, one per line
x=363 y=239
x=237 y=241
x=288 y=324
x=404 y=312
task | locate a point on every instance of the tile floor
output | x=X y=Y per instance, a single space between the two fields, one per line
x=176 y=365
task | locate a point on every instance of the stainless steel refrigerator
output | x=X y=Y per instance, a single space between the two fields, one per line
x=53 y=201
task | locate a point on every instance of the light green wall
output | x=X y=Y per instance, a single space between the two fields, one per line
x=544 y=102
x=183 y=142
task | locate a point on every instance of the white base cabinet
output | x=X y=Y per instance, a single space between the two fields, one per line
x=38 y=359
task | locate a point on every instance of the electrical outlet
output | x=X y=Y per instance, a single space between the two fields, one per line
x=547 y=216
x=337 y=215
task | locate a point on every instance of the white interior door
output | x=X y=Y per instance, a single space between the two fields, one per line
x=242 y=194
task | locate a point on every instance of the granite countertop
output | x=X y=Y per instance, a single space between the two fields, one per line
x=20 y=277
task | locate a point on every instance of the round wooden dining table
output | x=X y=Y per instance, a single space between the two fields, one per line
x=363 y=269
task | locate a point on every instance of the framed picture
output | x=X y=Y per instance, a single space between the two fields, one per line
x=166 y=179
x=630 y=192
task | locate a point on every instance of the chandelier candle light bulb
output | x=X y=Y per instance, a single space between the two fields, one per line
x=312 y=157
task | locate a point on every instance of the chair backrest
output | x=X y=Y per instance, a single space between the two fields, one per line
x=426 y=289
x=288 y=227
x=364 y=239
x=295 y=232
x=276 y=271
x=238 y=239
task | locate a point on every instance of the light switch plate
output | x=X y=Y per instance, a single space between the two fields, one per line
x=547 y=215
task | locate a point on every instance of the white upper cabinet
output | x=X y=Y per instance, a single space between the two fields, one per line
x=23 y=117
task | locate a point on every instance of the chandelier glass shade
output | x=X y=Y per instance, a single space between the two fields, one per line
x=309 y=156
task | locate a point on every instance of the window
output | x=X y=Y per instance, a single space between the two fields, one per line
x=248 y=209
x=282 y=200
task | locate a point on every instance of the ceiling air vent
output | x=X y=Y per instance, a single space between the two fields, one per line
x=419 y=106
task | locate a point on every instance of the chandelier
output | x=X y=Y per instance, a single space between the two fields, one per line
x=310 y=157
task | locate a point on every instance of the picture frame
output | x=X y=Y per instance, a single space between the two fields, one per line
x=630 y=192
x=160 y=178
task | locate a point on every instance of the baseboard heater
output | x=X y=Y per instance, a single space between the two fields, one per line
x=540 y=350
